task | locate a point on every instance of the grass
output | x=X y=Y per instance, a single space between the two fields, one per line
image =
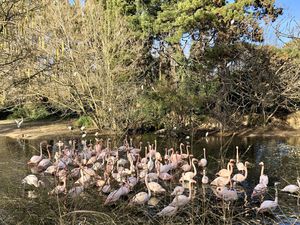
x=88 y=209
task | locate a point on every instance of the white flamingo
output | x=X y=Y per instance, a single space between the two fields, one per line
x=182 y=200
x=269 y=205
x=220 y=181
x=263 y=179
x=190 y=175
x=292 y=188
x=141 y=197
x=227 y=194
x=168 y=211
x=156 y=187
x=178 y=190
x=45 y=163
x=226 y=172
x=240 y=166
x=259 y=190
x=203 y=161
x=240 y=177
x=188 y=166
x=34 y=160
x=32 y=180
x=115 y=195
x=204 y=178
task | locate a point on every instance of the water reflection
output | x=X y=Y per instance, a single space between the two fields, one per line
x=280 y=155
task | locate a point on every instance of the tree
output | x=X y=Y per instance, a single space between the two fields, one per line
x=86 y=60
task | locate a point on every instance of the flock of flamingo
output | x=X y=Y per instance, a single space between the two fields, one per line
x=117 y=171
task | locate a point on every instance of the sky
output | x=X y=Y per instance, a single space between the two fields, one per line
x=287 y=22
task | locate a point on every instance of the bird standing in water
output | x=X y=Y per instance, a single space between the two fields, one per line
x=269 y=205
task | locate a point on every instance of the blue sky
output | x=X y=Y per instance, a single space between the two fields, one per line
x=288 y=22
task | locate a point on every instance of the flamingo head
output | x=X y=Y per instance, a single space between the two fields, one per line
x=247 y=163
x=232 y=161
x=261 y=163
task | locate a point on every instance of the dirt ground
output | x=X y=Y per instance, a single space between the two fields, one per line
x=33 y=129
x=38 y=129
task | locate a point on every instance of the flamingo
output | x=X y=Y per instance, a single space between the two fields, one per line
x=188 y=166
x=168 y=211
x=45 y=163
x=178 y=190
x=269 y=205
x=84 y=179
x=182 y=200
x=190 y=175
x=51 y=169
x=259 y=190
x=292 y=188
x=263 y=179
x=220 y=181
x=203 y=161
x=32 y=180
x=59 y=189
x=141 y=197
x=240 y=166
x=183 y=155
x=226 y=172
x=240 y=177
x=163 y=176
x=115 y=195
x=156 y=187
x=36 y=158
x=227 y=194
x=204 y=179
x=150 y=164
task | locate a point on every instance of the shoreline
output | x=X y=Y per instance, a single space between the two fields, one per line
x=39 y=129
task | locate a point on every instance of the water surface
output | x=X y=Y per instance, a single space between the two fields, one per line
x=280 y=155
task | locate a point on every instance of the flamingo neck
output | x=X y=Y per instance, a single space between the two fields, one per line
x=246 y=171
x=276 y=195
x=204 y=153
x=187 y=150
x=158 y=167
x=228 y=179
x=262 y=170
x=229 y=166
x=147 y=185
x=49 y=155
x=195 y=170
x=180 y=147
x=230 y=169
x=237 y=155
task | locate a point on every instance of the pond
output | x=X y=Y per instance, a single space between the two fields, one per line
x=29 y=205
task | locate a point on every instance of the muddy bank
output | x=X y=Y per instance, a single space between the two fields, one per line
x=39 y=129
x=34 y=129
